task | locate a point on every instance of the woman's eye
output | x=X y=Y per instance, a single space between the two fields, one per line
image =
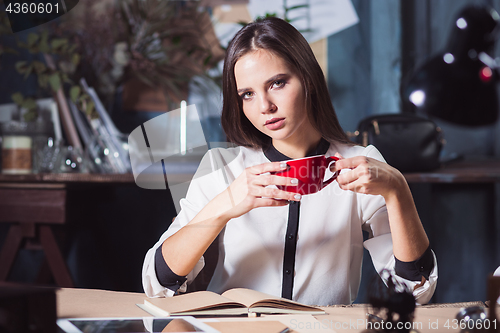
x=246 y=95
x=278 y=84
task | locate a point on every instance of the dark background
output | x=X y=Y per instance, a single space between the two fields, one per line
x=110 y=228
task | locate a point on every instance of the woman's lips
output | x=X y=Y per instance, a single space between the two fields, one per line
x=275 y=123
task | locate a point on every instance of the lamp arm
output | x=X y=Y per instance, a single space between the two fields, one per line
x=486 y=59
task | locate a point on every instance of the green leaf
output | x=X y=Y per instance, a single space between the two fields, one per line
x=5 y=50
x=39 y=67
x=44 y=46
x=44 y=42
x=75 y=59
x=34 y=49
x=55 y=81
x=58 y=43
x=30 y=116
x=29 y=104
x=32 y=39
x=21 y=66
x=22 y=45
x=45 y=34
x=74 y=93
x=43 y=81
x=65 y=78
x=90 y=108
x=17 y=98
x=28 y=71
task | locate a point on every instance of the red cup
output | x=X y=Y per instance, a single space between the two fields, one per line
x=310 y=172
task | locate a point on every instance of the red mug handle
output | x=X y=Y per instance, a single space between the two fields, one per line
x=329 y=160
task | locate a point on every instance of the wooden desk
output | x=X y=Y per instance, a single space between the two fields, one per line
x=34 y=202
x=32 y=211
x=101 y=303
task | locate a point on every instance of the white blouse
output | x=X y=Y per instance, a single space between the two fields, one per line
x=329 y=246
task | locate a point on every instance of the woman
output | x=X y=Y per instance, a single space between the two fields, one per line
x=310 y=248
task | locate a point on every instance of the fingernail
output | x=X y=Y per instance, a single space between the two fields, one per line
x=294 y=181
x=297 y=196
x=283 y=165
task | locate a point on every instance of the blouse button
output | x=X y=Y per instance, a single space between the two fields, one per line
x=290 y=237
x=288 y=271
x=421 y=268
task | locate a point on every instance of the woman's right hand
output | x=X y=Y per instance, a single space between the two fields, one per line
x=184 y=248
x=250 y=190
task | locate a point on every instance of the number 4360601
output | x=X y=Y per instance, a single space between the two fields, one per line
x=456 y=324
x=32 y=8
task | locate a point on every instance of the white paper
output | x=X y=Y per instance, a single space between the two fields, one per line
x=7 y=110
x=322 y=17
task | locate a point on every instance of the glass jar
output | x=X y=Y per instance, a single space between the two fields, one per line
x=45 y=148
x=16 y=148
x=28 y=147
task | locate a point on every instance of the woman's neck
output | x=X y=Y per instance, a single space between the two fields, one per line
x=299 y=147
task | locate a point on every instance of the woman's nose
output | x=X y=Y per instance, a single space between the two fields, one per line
x=266 y=105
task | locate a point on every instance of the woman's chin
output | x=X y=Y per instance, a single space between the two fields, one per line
x=278 y=136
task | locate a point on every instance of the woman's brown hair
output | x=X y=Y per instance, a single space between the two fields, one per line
x=282 y=39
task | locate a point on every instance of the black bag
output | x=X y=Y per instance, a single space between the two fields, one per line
x=408 y=142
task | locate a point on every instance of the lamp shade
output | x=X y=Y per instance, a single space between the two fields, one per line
x=456 y=85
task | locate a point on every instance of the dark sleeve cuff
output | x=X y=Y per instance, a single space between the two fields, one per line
x=414 y=270
x=165 y=276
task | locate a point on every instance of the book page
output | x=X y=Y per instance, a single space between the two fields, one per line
x=251 y=299
x=282 y=309
x=247 y=297
x=200 y=300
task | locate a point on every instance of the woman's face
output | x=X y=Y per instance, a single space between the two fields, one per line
x=272 y=96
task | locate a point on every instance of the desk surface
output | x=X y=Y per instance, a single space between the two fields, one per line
x=101 y=303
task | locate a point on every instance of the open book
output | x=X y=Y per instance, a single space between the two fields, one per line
x=236 y=301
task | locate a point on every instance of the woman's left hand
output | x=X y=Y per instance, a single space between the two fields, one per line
x=368 y=176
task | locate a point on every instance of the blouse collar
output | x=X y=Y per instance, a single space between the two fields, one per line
x=274 y=155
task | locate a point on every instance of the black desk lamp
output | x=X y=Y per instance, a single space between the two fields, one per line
x=459 y=84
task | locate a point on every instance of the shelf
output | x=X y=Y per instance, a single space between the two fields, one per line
x=57 y=180
x=465 y=171
x=481 y=170
x=67 y=178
